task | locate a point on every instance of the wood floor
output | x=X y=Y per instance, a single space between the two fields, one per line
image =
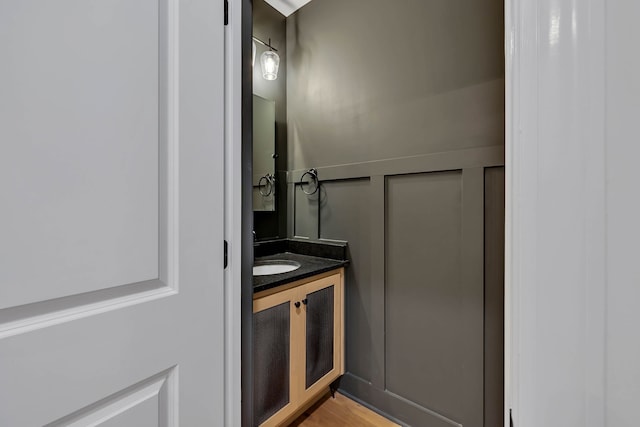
x=340 y=411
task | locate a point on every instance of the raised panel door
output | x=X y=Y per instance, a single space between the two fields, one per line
x=111 y=181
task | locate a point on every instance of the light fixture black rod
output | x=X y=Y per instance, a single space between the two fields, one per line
x=265 y=44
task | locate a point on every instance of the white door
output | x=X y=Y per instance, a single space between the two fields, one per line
x=111 y=213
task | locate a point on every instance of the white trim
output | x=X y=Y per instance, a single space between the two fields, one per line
x=287 y=7
x=510 y=75
x=233 y=213
x=555 y=265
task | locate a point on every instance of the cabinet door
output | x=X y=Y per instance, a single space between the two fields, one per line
x=322 y=301
x=273 y=328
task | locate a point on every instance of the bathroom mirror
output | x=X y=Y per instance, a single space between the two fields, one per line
x=264 y=147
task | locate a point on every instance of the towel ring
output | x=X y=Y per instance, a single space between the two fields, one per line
x=269 y=181
x=313 y=174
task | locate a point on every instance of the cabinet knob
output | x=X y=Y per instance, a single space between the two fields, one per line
x=305 y=301
x=297 y=304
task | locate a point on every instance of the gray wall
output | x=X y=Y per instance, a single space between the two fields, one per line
x=378 y=79
x=399 y=104
x=269 y=23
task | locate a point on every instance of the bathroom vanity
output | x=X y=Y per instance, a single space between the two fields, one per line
x=298 y=333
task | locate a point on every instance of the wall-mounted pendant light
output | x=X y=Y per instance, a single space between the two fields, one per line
x=269 y=60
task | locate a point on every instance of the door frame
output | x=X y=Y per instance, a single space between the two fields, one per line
x=238 y=213
x=555 y=310
x=510 y=379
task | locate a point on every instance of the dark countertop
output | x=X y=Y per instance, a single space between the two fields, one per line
x=333 y=249
x=309 y=266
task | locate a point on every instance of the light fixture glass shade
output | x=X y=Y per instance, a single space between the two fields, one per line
x=270 y=62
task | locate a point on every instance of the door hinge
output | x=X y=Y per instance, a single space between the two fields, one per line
x=226 y=12
x=226 y=254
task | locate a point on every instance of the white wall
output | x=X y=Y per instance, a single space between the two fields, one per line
x=573 y=99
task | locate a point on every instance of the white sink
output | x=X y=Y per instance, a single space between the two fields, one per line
x=267 y=268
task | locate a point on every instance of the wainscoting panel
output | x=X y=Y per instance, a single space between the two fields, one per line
x=305 y=213
x=345 y=215
x=424 y=289
x=433 y=315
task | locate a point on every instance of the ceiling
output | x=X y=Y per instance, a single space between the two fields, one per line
x=287 y=7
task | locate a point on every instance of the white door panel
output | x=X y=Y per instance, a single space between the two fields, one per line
x=111 y=219
x=79 y=170
x=143 y=405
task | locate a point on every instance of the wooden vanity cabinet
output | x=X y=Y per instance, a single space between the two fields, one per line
x=298 y=345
